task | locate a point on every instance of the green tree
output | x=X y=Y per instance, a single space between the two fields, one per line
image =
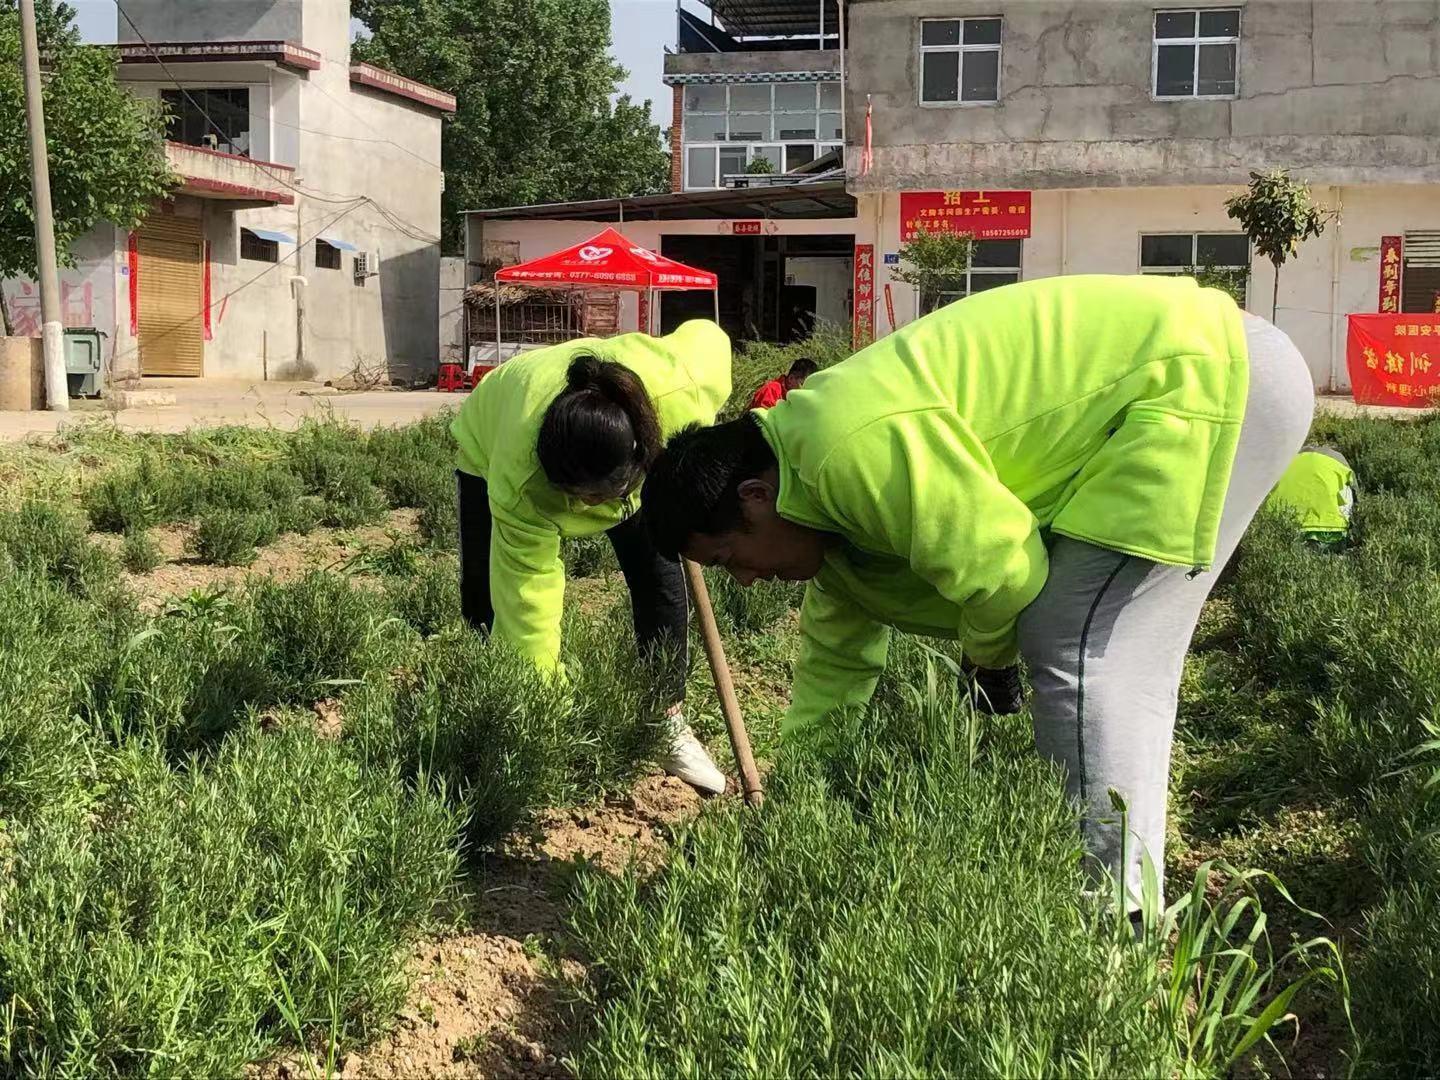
x=935 y=263
x=1278 y=215
x=534 y=78
x=107 y=151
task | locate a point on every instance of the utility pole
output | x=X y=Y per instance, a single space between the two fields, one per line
x=57 y=391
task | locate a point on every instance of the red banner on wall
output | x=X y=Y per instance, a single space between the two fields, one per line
x=864 y=329
x=1392 y=260
x=985 y=215
x=1394 y=359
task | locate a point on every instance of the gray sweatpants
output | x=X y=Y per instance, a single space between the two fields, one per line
x=1105 y=640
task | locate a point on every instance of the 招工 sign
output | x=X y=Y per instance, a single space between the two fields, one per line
x=985 y=215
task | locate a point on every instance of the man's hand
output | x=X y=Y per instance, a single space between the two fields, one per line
x=998 y=691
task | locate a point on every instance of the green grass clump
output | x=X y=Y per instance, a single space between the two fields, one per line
x=753 y=610
x=331 y=462
x=414 y=464
x=318 y=634
x=139 y=553
x=162 y=913
x=428 y=599
x=230 y=537
x=154 y=490
x=439 y=521
x=42 y=539
x=586 y=556
x=504 y=736
x=884 y=914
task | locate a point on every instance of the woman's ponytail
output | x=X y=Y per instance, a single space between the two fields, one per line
x=601 y=433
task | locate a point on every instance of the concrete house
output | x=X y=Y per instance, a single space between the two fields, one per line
x=302 y=241
x=1122 y=126
x=1070 y=136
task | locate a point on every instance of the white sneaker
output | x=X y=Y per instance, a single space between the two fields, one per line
x=688 y=760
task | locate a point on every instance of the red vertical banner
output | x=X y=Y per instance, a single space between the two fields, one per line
x=864 y=329
x=209 y=329
x=134 y=267
x=644 y=312
x=1392 y=259
x=889 y=305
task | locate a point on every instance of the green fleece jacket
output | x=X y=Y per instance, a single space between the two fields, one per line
x=1318 y=492
x=687 y=374
x=1103 y=408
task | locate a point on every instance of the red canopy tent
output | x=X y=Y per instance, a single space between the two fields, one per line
x=607 y=261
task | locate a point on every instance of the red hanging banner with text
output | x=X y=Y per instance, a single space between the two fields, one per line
x=864 y=331
x=1392 y=259
x=1394 y=359
x=985 y=215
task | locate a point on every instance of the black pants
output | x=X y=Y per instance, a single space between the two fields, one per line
x=658 y=601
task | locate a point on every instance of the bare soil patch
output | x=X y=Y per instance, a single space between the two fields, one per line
x=496 y=998
x=291 y=556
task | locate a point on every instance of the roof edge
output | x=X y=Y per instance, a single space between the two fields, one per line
x=777 y=193
x=287 y=53
x=388 y=82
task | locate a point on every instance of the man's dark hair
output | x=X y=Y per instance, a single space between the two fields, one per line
x=692 y=487
x=803 y=368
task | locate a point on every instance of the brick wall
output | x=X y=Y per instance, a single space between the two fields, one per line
x=677 y=154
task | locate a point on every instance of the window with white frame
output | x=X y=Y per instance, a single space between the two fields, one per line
x=729 y=127
x=992 y=264
x=1196 y=53
x=1216 y=260
x=959 y=61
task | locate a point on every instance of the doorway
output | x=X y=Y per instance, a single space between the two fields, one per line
x=171 y=269
x=772 y=288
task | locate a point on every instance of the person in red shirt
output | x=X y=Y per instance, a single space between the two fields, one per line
x=774 y=391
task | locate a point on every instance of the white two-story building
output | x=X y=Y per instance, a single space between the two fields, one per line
x=303 y=238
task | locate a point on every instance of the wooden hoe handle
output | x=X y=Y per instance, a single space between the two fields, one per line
x=724 y=686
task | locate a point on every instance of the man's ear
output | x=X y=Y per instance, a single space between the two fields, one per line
x=756 y=491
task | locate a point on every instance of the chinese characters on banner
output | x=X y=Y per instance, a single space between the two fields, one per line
x=864 y=330
x=1391 y=260
x=745 y=228
x=1394 y=359
x=985 y=215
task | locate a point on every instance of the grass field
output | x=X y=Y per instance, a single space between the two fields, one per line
x=256 y=778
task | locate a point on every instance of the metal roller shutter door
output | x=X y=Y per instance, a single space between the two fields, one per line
x=172 y=338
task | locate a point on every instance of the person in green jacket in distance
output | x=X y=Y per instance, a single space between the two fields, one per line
x=1053 y=471
x=1318 y=492
x=555 y=443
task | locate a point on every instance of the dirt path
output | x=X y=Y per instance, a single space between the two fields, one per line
x=494 y=998
x=291 y=556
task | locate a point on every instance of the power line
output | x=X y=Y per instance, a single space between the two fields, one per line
x=299 y=127
x=414 y=232
x=300 y=246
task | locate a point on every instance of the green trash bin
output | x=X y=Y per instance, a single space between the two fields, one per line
x=83 y=361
